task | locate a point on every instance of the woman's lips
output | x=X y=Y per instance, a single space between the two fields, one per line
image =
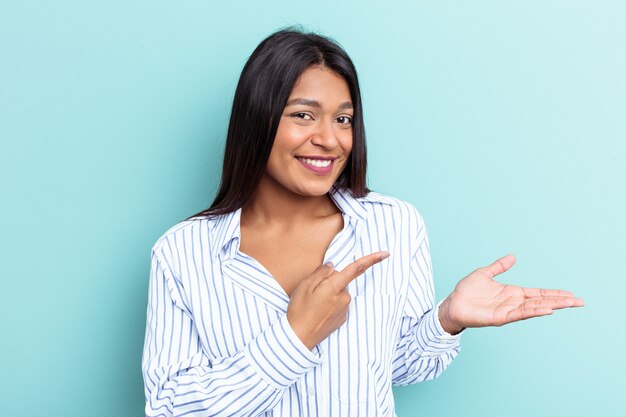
x=317 y=166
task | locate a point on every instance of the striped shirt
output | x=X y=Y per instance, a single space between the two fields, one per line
x=218 y=342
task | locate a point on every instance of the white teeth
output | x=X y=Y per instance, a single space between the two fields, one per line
x=320 y=163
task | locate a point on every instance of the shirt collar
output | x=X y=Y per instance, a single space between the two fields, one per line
x=224 y=230
x=349 y=205
x=226 y=226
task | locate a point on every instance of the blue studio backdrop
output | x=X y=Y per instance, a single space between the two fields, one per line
x=504 y=123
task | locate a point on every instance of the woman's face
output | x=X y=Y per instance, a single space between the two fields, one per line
x=314 y=136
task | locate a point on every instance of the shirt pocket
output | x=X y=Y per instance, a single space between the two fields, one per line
x=364 y=345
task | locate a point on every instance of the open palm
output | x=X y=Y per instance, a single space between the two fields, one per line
x=478 y=300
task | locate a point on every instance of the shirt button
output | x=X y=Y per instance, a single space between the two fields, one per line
x=311 y=391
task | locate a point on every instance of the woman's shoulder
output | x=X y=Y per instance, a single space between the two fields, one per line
x=376 y=201
x=391 y=215
x=185 y=232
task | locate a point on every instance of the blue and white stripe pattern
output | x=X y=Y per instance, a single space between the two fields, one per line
x=218 y=343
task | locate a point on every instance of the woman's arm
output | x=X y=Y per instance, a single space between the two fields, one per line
x=179 y=379
x=424 y=349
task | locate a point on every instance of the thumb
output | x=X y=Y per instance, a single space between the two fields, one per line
x=501 y=265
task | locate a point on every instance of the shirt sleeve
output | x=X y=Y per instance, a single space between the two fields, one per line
x=424 y=349
x=180 y=379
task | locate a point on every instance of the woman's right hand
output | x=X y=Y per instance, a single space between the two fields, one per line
x=319 y=304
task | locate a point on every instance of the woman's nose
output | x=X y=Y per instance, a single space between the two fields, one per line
x=325 y=135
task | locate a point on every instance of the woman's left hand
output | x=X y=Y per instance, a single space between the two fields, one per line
x=479 y=301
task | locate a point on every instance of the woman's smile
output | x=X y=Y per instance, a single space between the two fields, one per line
x=319 y=165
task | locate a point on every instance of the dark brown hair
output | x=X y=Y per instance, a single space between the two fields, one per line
x=263 y=89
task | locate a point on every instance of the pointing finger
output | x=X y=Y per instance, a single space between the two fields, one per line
x=356 y=268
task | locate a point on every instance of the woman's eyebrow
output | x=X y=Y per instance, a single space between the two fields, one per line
x=314 y=103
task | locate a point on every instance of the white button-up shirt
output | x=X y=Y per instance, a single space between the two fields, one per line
x=218 y=342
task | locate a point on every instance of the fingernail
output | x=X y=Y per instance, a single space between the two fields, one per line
x=329 y=264
x=385 y=255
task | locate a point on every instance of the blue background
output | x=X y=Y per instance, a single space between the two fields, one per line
x=502 y=122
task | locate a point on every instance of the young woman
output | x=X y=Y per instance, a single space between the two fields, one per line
x=300 y=292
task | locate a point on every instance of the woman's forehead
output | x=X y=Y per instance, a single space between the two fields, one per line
x=318 y=86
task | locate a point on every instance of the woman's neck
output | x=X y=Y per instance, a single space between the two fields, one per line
x=273 y=204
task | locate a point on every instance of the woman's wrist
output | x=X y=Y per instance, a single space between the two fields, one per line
x=302 y=334
x=447 y=324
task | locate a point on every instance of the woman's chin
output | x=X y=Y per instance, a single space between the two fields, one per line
x=316 y=190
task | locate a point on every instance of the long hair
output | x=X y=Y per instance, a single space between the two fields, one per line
x=264 y=86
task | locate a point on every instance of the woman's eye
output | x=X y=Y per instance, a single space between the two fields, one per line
x=303 y=116
x=344 y=120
